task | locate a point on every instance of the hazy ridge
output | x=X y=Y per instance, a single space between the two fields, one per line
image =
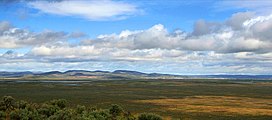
x=121 y=74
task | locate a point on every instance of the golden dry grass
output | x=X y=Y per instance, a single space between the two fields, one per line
x=215 y=104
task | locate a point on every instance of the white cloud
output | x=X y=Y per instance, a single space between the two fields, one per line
x=155 y=37
x=91 y=10
x=258 y=6
x=231 y=36
x=16 y=38
x=252 y=34
x=260 y=27
x=203 y=27
x=242 y=43
x=65 y=51
x=12 y=37
x=4 y=26
x=237 y=20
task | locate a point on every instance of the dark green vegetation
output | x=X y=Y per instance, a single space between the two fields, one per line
x=200 y=98
x=58 y=110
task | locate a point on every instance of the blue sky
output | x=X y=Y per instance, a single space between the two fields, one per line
x=173 y=15
x=179 y=37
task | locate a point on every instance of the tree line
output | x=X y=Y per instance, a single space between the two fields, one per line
x=11 y=109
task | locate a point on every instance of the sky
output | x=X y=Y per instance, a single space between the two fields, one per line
x=175 y=37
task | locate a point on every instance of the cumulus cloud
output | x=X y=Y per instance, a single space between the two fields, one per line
x=4 y=26
x=66 y=51
x=93 y=53
x=12 y=37
x=203 y=27
x=236 y=20
x=11 y=54
x=239 y=43
x=77 y=35
x=260 y=27
x=243 y=32
x=155 y=37
x=91 y=10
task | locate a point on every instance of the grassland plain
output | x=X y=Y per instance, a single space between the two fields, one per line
x=175 y=99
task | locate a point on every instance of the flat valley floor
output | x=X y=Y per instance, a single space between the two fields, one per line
x=172 y=99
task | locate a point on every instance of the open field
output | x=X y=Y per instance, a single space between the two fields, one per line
x=185 y=99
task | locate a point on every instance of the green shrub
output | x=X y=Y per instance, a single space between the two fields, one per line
x=116 y=110
x=21 y=104
x=64 y=114
x=129 y=116
x=58 y=110
x=48 y=110
x=61 y=103
x=100 y=115
x=24 y=114
x=2 y=115
x=2 y=106
x=80 y=109
x=8 y=103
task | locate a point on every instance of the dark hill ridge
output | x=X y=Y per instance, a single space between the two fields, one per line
x=124 y=74
x=14 y=74
x=128 y=72
x=49 y=73
x=70 y=71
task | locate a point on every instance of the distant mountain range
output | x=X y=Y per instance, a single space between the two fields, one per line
x=120 y=74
